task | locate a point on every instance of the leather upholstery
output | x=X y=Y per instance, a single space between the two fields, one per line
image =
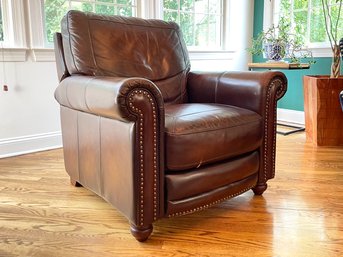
x=127 y=47
x=151 y=137
x=240 y=89
x=228 y=131
x=62 y=71
x=182 y=185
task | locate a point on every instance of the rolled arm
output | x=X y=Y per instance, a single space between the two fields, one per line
x=129 y=100
x=256 y=91
x=104 y=96
x=250 y=90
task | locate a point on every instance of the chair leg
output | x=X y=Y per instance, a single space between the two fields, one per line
x=141 y=233
x=260 y=188
x=75 y=183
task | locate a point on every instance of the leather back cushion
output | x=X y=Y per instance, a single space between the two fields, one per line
x=100 y=45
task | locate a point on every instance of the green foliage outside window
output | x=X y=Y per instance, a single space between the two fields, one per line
x=199 y=20
x=55 y=9
x=308 y=20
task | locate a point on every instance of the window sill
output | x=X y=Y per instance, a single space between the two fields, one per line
x=211 y=55
x=43 y=54
x=13 y=54
x=321 y=51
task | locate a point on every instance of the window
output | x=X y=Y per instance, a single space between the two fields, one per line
x=307 y=19
x=201 y=21
x=206 y=24
x=55 y=9
x=12 y=24
x=1 y=25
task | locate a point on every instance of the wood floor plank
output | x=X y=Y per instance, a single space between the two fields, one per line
x=301 y=213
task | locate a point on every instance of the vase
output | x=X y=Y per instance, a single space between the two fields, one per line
x=323 y=113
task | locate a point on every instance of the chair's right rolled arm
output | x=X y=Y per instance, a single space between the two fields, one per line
x=256 y=91
x=249 y=90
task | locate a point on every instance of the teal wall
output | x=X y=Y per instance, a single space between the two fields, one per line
x=294 y=98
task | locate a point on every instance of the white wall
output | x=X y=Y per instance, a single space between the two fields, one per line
x=28 y=111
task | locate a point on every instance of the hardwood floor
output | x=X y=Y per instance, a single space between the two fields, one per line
x=300 y=214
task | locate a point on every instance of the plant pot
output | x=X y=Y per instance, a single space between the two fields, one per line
x=323 y=113
x=274 y=52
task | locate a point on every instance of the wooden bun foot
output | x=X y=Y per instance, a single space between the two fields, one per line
x=141 y=233
x=259 y=189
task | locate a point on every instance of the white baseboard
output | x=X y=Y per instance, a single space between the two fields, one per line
x=291 y=116
x=29 y=144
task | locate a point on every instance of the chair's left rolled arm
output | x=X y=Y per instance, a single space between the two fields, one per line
x=127 y=100
x=110 y=97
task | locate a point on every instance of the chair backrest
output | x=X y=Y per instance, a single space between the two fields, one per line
x=98 y=45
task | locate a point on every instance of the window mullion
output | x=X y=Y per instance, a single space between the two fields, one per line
x=2 y=23
x=292 y=10
x=179 y=11
x=14 y=23
x=194 y=26
x=208 y=22
x=309 y=15
x=13 y=46
x=7 y=24
x=37 y=30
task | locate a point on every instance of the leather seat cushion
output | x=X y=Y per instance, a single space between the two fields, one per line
x=198 y=134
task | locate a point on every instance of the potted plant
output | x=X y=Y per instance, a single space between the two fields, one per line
x=278 y=43
x=323 y=114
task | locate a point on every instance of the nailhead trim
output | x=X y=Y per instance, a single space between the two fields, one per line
x=278 y=94
x=203 y=207
x=140 y=127
x=141 y=147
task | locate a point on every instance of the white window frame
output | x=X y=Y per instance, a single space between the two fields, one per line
x=222 y=25
x=228 y=48
x=41 y=51
x=70 y=3
x=14 y=46
x=152 y=9
x=318 y=50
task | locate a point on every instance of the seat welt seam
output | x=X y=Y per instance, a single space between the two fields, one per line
x=207 y=161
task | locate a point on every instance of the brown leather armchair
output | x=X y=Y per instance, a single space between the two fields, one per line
x=148 y=135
